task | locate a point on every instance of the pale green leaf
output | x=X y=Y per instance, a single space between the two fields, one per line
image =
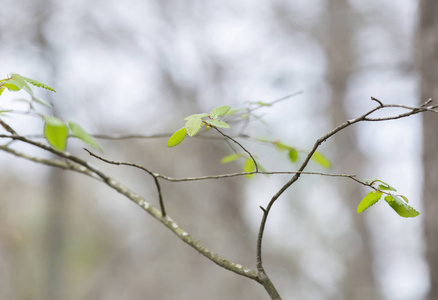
x=193 y=125
x=370 y=199
x=263 y=140
x=232 y=112
x=405 y=198
x=385 y=186
x=41 y=101
x=282 y=147
x=321 y=159
x=22 y=100
x=177 y=137
x=19 y=82
x=230 y=158
x=293 y=155
x=81 y=134
x=219 y=111
x=261 y=103
x=200 y=116
x=217 y=123
x=55 y=132
x=401 y=207
x=2 y=89
x=13 y=85
x=34 y=82
x=249 y=167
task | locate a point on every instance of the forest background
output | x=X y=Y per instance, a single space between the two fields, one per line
x=141 y=67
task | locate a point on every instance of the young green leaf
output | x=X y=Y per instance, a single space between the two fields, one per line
x=281 y=147
x=219 y=111
x=370 y=199
x=263 y=140
x=217 y=123
x=385 y=187
x=55 y=132
x=200 y=116
x=293 y=155
x=249 y=167
x=321 y=159
x=177 y=137
x=13 y=85
x=193 y=125
x=2 y=89
x=33 y=82
x=22 y=100
x=41 y=101
x=232 y=112
x=230 y=158
x=401 y=207
x=81 y=134
x=261 y=103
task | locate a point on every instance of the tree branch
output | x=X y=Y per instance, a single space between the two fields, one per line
x=76 y=164
x=364 y=117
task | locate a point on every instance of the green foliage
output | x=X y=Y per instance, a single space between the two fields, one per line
x=219 y=111
x=370 y=199
x=321 y=159
x=397 y=202
x=195 y=122
x=400 y=206
x=32 y=81
x=230 y=158
x=16 y=82
x=193 y=125
x=41 y=101
x=55 y=132
x=200 y=116
x=249 y=167
x=248 y=164
x=217 y=123
x=177 y=137
x=293 y=155
x=81 y=134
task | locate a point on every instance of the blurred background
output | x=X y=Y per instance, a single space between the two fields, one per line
x=124 y=67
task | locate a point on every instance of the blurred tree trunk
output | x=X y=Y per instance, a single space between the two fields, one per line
x=359 y=282
x=428 y=38
x=56 y=210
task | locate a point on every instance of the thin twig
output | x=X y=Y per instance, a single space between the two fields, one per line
x=155 y=176
x=240 y=145
x=364 y=117
x=84 y=167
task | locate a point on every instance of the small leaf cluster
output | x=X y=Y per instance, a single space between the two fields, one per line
x=195 y=122
x=248 y=165
x=16 y=82
x=397 y=202
x=293 y=153
x=56 y=131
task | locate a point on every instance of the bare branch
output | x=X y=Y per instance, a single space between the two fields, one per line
x=240 y=145
x=81 y=166
x=364 y=117
x=155 y=176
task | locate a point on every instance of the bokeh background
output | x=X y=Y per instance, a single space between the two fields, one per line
x=141 y=66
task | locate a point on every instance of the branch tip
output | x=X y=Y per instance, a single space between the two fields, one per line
x=377 y=100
